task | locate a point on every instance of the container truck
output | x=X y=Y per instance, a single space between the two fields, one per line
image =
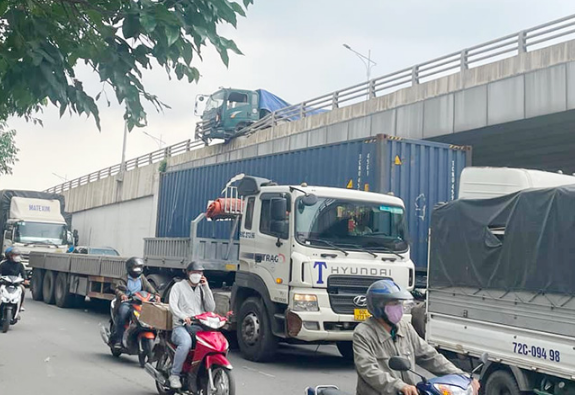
x=421 y=173
x=501 y=281
x=33 y=221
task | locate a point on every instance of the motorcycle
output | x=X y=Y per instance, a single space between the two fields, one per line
x=453 y=384
x=10 y=300
x=206 y=369
x=139 y=337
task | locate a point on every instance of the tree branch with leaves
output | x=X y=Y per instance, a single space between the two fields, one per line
x=42 y=42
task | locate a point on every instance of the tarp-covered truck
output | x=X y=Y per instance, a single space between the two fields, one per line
x=502 y=281
x=33 y=221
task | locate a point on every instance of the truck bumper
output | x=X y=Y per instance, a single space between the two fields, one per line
x=322 y=326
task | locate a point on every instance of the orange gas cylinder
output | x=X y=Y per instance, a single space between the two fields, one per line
x=224 y=207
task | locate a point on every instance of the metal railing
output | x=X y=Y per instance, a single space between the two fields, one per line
x=144 y=160
x=514 y=44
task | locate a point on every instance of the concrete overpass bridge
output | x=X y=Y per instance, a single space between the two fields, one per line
x=512 y=99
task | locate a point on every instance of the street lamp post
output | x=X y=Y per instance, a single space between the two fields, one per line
x=158 y=141
x=65 y=178
x=366 y=61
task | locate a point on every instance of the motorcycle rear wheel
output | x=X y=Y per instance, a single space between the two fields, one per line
x=164 y=363
x=223 y=382
x=145 y=354
x=6 y=319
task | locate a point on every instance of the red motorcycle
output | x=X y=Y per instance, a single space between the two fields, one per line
x=138 y=337
x=206 y=369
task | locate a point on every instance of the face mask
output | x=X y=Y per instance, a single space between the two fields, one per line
x=394 y=313
x=17 y=259
x=195 y=278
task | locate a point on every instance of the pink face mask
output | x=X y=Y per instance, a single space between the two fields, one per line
x=394 y=313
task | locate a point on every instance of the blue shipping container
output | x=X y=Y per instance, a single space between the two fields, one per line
x=421 y=173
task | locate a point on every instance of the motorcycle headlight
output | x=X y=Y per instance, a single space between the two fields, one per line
x=305 y=302
x=213 y=323
x=445 y=389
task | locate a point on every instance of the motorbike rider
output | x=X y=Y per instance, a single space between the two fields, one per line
x=133 y=282
x=385 y=335
x=188 y=298
x=12 y=266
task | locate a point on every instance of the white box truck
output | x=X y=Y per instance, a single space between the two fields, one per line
x=33 y=221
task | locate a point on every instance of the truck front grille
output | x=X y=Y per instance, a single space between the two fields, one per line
x=343 y=289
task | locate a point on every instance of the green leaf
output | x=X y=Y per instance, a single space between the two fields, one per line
x=148 y=22
x=3 y=7
x=172 y=34
x=63 y=109
x=187 y=52
x=131 y=26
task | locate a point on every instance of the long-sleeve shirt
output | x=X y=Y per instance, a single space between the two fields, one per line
x=373 y=346
x=12 y=268
x=187 y=301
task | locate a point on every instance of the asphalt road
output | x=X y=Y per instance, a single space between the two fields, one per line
x=59 y=351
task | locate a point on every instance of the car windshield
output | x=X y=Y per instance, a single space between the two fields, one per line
x=350 y=225
x=215 y=100
x=33 y=232
x=103 y=252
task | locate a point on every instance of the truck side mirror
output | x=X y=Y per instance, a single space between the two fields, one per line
x=279 y=229
x=309 y=200
x=279 y=210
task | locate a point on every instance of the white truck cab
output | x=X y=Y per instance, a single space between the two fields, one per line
x=311 y=253
x=35 y=225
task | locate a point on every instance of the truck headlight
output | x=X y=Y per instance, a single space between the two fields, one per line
x=305 y=302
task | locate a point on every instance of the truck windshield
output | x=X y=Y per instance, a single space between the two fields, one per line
x=215 y=101
x=33 y=232
x=351 y=225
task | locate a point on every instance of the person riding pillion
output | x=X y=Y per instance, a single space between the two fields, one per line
x=12 y=266
x=188 y=298
x=133 y=282
x=385 y=335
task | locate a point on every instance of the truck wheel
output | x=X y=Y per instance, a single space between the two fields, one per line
x=346 y=349
x=62 y=293
x=48 y=287
x=501 y=382
x=255 y=338
x=36 y=284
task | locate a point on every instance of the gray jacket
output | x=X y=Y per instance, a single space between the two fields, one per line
x=372 y=348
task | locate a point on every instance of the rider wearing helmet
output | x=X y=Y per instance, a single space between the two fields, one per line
x=188 y=298
x=133 y=282
x=12 y=266
x=385 y=335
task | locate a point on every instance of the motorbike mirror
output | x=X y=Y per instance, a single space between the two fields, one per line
x=397 y=363
x=484 y=357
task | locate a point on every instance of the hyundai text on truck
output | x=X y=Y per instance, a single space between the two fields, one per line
x=501 y=279
x=33 y=222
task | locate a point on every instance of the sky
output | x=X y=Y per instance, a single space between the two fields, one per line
x=292 y=48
